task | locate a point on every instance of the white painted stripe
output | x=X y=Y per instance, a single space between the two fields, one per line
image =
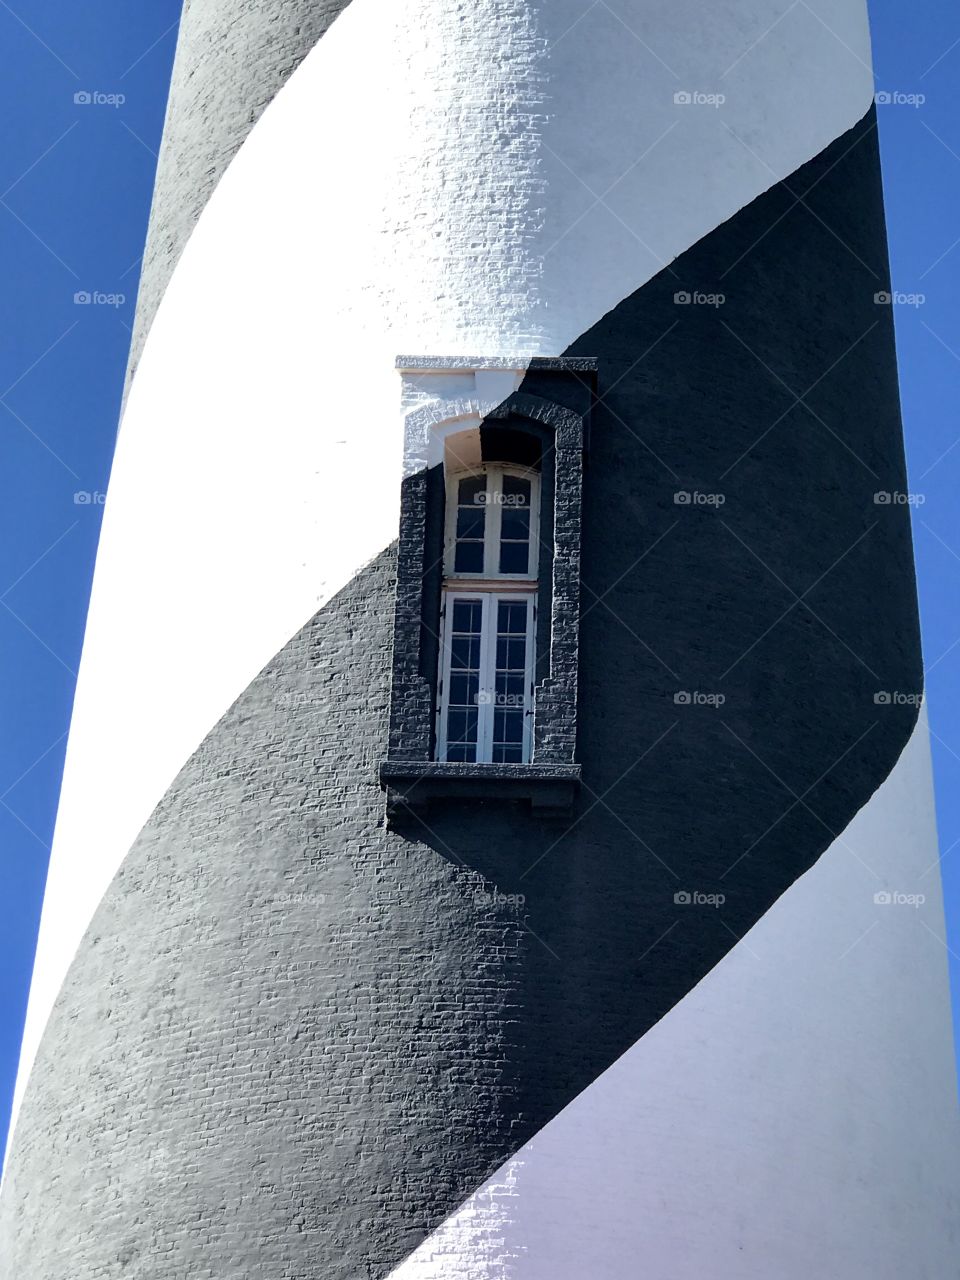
x=794 y=1116
x=425 y=182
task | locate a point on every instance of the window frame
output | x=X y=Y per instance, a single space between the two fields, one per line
x=494 y=474
x=556 y=408
x=490 y=601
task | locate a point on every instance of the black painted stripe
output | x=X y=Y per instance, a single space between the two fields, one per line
x=294 y=1041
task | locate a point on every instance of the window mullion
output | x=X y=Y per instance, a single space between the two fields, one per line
x=493 y=524
x=488 y=659
x=528 y=677
x=446 y=647
x=451 y=498
x=533 y=565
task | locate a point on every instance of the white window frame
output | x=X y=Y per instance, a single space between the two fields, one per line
x=494 y=474
x=486 y=697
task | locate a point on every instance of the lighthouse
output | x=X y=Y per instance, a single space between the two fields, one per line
x=497 y=835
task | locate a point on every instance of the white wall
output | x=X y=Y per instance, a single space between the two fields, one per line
x=422 y=184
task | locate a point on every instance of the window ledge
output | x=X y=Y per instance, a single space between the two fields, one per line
x=412 y=784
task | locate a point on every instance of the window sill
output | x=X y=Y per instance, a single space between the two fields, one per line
x=413 y=785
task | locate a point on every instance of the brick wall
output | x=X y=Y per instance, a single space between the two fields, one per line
x=293 y=1039
x=226 y=73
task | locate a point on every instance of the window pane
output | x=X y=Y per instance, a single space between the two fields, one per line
x=510 y=690
x=511 y=655
x=466 y=616
x=508 y=726
x=514 y=557
x=512 y=617
x=461 y=726
x=516 y=491
x=465 y=653
x=515 y=525
x=469 y=557
x=470 y=491
x=511 y=693
x=515 y=515
x=464 y=689
x=470 y=522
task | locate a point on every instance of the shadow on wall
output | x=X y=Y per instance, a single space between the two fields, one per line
x=750 y=654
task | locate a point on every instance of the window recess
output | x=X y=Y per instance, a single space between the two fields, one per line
x=486 y=626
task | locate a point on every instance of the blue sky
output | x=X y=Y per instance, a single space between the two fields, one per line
x=75 y=186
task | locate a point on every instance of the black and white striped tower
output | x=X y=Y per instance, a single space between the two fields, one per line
x=337 y=976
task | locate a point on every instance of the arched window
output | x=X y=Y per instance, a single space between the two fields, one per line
x=488 y=616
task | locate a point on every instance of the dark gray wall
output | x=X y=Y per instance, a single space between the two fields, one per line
x=293 y=1039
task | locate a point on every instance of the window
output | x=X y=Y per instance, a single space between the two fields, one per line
x=492 y=524
x=488 y=618
x=483 y=694
x=486 y=681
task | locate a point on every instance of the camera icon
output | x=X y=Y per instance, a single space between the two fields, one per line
x=882 y=499
x=83 y=98
x=682 y=899
x=883 y=299
x=82 y=498
x=682 y=98
x=883 y=99
x=682 y=299
x=882 y=899
x=485 y=698
x=82 y=299
x=682 y=699
x=682 y=498
x=883 y=699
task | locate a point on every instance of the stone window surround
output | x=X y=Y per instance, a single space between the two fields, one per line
x=410 y=775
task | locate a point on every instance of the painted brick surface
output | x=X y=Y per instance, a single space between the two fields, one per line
x=275 y=988
x=232 y=60
x=481 y=237
x=294 y=1040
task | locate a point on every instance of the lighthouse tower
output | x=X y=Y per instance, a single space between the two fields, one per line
x=497 y=838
